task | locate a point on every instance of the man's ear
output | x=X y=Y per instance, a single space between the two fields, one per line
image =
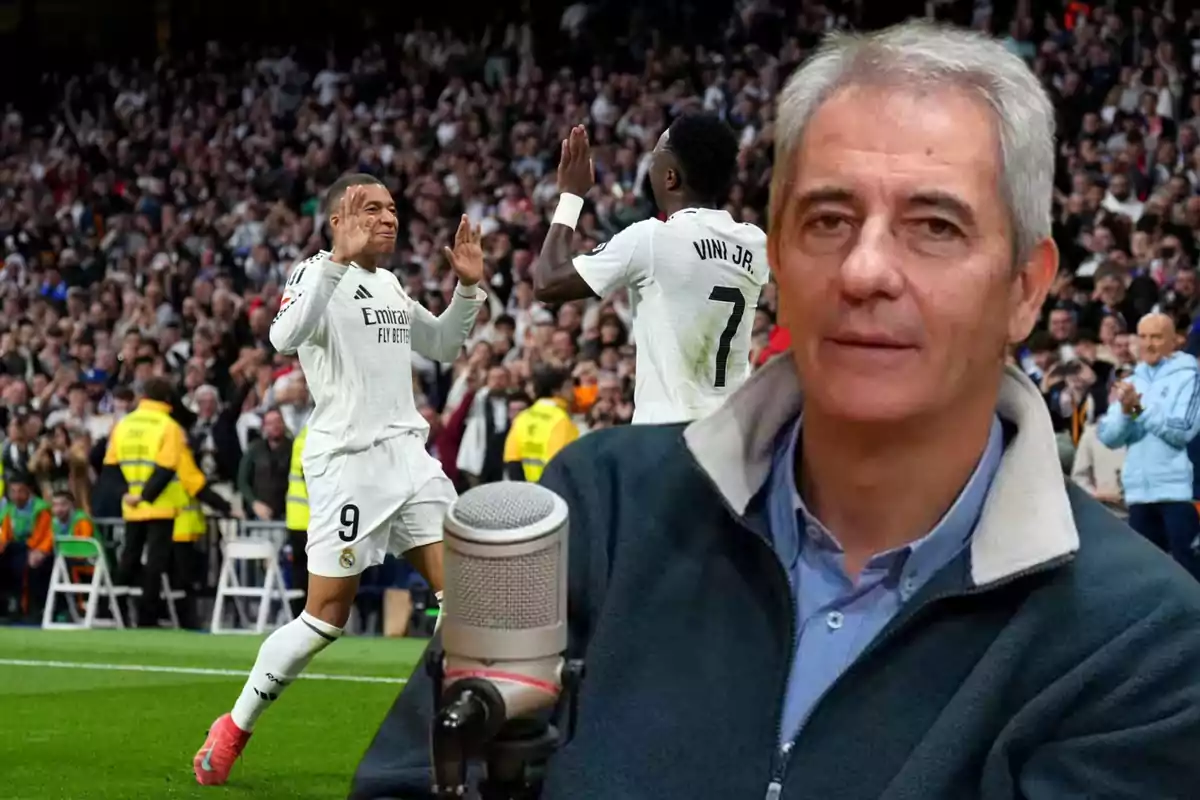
x=672 y=180
x=1030 y=286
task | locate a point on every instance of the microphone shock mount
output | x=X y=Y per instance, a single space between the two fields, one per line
x=470 y=728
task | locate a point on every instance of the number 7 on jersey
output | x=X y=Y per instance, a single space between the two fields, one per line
x=727 y=294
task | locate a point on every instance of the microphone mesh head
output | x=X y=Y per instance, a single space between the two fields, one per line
x=511 y=594
x=504 y=506
x=506 y=591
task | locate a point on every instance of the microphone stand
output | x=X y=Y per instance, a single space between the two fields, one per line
x=515 y=752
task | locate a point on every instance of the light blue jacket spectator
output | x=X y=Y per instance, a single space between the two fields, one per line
x=1157 y=468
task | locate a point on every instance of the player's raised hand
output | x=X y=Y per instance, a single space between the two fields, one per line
x=576 y=173
x=467 y=256
x=351 y=226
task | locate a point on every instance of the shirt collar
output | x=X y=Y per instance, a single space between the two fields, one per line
x=694 y=210
x=919 y=560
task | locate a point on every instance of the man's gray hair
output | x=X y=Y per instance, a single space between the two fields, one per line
x=923 y=56
x=207 y=389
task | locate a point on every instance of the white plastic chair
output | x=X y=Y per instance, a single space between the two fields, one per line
x=99 y=587
x=253 y=542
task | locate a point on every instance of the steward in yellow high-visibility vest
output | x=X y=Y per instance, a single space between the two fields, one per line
x=186 y=567
x=540 y=431
x=297 y=492
x=150 y=451
x=297 y=519
x=191 y=524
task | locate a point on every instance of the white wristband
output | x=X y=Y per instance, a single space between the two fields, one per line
x=569 y=208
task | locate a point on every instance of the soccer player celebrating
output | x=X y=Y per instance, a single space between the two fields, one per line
x=693 y=280
x=372 y=487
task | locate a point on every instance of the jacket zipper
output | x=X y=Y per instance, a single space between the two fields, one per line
x=779 y=760
x=775 y=787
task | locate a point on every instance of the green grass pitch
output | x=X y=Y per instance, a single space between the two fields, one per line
x=83 y=733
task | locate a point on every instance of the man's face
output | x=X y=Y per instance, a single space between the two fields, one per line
x=61 y=507
x=563 y=344
x=379 y=211
x=1110 y=290
x=1156 y=339
x=1139 y=243
x=762 y=322
x=497 y=379
x=894 y=257
x=19 y=493
x=1110 y=326
x=18 y=394
x=1119 y=187
x=1185 y=283
x=260 y=322
x=1062 y=325
x=273 y=427
x=1102 y=240
x=569 y=318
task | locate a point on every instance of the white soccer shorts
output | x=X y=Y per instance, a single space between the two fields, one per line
x=362 y=506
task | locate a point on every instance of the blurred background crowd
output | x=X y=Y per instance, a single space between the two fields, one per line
x=150 y=211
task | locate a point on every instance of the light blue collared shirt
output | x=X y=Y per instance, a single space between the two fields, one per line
x=838 y=618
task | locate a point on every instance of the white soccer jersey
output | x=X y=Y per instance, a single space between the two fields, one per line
x=355 y=331
x=694 y=283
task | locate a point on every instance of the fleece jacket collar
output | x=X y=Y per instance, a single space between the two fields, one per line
x=1026 y=520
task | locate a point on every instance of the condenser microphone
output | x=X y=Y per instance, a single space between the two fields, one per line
x=504 y=620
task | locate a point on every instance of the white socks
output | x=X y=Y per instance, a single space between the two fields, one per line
x=281 y=659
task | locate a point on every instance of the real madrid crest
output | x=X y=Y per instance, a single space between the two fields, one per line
x=347 y=558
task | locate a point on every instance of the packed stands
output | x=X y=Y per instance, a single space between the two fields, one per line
x=149 y=219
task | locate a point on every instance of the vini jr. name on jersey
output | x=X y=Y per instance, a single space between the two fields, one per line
x=718 y=249
x=392 y=324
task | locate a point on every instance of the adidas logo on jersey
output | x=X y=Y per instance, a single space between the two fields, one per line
x=362 y=294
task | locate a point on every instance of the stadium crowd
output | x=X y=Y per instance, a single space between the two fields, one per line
x=148 y=225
